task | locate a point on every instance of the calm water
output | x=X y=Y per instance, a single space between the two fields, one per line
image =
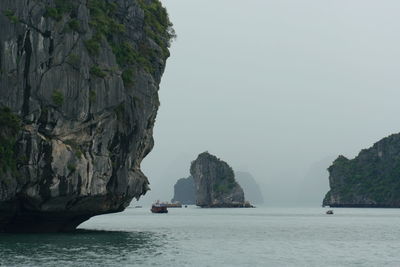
x=217 y=237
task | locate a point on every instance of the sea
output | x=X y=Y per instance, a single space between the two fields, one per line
x=193 y=236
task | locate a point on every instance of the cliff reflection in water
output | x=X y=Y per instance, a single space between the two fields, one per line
x=103 y=248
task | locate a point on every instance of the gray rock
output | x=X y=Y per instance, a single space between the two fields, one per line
x=215 y=183
x=86 y=118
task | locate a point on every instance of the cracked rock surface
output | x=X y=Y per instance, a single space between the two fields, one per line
x=84 y=125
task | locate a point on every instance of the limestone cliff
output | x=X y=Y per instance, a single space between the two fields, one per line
x=79 y=84
x=372 y=179
x=215 y=183
x=184 y=191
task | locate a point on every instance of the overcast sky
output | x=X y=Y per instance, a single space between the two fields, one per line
x=275 y=88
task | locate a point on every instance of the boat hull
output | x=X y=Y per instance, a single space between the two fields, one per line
x=156 y=209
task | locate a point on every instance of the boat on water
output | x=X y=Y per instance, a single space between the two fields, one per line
x=330 y=212
x=174 y=205
x=159 y=208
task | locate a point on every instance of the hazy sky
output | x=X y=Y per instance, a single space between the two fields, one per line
x=275 y=88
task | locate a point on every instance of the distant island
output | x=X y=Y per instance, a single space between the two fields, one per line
x=372 y=179
x=185 y=193
x=250 y=187
x=215 y=183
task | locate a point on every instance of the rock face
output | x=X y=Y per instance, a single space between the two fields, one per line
x=250 y=187
x=215 y=183
x=372 y=179
x=79 y=84
x=184 y=191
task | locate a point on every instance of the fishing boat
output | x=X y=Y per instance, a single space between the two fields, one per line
x=159 y=208
x=330 y=212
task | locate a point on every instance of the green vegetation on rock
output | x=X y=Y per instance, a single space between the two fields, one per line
x=104 y=23
x=119 y=111
x=11 y=16
x=93 y=45
x=71 y=167
x=223 y=188
x=97 y=71
x=74 y=61
x=157 y=24
x=107 y=28
x=103 y=18
x=92 y=96
x=10 y=125
x=61 y=7
x=74 y=25
x=128 y=77
x=75 y=148
x=225 y=183
x=126 y=55
x=58 y=98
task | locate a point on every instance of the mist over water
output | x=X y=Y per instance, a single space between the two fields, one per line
x=272 y=87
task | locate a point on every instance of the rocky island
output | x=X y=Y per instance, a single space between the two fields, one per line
x=215 y=183
x=372 y=179
x=79 y=84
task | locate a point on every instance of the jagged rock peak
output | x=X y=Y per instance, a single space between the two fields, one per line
x=79 y=84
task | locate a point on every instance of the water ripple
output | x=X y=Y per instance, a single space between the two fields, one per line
x=83 y=248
